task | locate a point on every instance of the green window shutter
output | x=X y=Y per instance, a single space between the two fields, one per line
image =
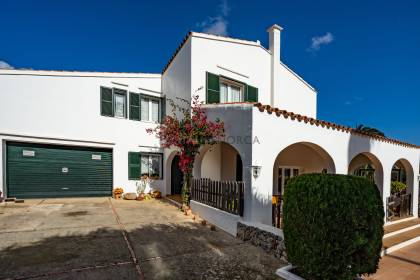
x=213 y=88
x=134 y=106
x=133 y=166
x=106 y=102
x=163 y=109
x=251 y=94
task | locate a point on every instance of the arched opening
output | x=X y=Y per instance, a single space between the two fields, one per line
x=218 y=178
x=294 y=160
x=367 y=165
x=219 y=162
x=300 y=158
x=400 y=202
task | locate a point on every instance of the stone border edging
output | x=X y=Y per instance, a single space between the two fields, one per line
x=268 y=241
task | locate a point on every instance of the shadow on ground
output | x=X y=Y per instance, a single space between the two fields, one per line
x=164 y=250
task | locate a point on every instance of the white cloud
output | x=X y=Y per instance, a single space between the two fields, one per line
x=318 y=41
x=5 y=65
x=217 y=25
x=353 y=100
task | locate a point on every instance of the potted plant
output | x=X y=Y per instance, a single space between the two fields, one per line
x=398 y=188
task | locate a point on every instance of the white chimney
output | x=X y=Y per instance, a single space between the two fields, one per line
x=274 y=48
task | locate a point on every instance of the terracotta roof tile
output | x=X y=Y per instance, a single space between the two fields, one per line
x=176 y=51
x=329 y=125
x=186 y=39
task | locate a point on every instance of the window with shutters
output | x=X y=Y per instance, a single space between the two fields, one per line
x=106 y=102
x=134 y=106
x=113 y=102
x=150 y=109
x=222 y=89
x=231 y=91
x=144 y=164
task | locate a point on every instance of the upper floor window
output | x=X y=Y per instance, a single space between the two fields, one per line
x=150 y=109
x=230 y=91
x=222 y=90
x=115 y=103
x=119 y=105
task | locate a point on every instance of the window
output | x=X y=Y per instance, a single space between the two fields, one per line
x=119 y=105
x=113 y=102
x=150 y=165
x=230 y=92
x=141 y=164
x=221 y=89
x=150 y=109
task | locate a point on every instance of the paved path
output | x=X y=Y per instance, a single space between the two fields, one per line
x=101 y=238
x=403 y=264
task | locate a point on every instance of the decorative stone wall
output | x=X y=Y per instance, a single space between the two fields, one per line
x=269 y=242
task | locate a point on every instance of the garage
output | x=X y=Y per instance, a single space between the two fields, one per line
x=47 y=171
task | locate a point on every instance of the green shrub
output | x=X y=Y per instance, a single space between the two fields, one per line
x=333 y=225
x=397 y=187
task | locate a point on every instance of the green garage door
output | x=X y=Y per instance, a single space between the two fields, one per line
x=35 y=170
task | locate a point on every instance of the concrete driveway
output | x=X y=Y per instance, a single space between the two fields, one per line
x=102 y=238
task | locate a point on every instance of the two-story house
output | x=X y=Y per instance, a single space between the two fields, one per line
x=84 y=133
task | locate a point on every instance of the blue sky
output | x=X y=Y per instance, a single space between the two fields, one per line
x=363 y=57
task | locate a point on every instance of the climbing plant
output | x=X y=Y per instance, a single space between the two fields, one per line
x=187 y=128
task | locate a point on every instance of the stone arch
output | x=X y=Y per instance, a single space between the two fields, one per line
x=405 y=174
x=219 y=162
x=368 y=165
x=300 y=158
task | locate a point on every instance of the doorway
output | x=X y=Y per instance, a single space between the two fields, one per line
x=176 y=176
x=284 y=175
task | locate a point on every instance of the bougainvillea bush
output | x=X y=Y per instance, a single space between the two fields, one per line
x=187 y=129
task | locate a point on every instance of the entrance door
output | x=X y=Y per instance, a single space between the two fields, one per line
x=176 y=177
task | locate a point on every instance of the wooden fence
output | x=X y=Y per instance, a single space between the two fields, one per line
x=277 y=211
x=398 y=207
x=224 y=195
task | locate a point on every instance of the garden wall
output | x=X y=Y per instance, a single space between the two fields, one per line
x=226 y=221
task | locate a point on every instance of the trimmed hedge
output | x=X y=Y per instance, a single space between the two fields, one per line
x=333 y=225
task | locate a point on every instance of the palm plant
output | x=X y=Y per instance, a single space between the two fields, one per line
x=369 y=130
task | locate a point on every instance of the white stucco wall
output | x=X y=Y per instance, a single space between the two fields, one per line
x=219 y=163
x=226 y=221
x=250 y=63
x=64 y=108
x=294 y=94
x=176 y=81
x=277 y=133
x=211 y=165
x=238 y=131
x=243 y=61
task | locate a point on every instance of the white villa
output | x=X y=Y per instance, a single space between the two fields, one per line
x=69 y=133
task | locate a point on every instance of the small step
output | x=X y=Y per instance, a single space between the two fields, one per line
x=10 y=199
x=174 y=202
x=398 y=227
x=400 y=240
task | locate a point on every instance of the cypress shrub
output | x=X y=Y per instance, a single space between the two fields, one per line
x=333 y=225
